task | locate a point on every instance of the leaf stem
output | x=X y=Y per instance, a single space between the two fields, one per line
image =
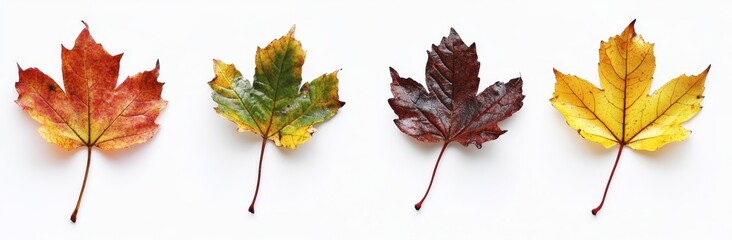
x=597 y=209
x=259 y=175
x=419 y=204
x=83 y=185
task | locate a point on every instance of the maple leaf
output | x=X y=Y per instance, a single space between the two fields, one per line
x=451 y=111
x=272 y=107
x=90 y=111
x=622 y=112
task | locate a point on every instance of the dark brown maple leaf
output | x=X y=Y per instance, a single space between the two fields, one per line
x=451 y=110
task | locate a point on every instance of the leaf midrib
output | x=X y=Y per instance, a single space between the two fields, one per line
x=276 y=89
x=88 y=98
x=625 y=91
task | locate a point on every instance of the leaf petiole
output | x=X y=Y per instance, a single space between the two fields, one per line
x=259 y=175
x=419 y=204
x=597 y=209
x=83 y=185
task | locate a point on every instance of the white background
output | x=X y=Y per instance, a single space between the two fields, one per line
x=359 y=176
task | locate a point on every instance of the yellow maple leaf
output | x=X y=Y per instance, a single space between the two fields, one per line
x=622 y=112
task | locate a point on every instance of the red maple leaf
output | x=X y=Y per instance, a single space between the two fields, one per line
x=91 y=110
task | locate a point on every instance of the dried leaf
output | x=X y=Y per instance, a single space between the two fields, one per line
x=623 y=112
x=91 y=110
x=451 y=111
x=272 y=107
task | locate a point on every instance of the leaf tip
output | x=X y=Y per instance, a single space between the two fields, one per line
x=517 y=80
x=86 y=26
x=394 y=74
x=452 y=30
x=556 y=72
x=630 y=30
x=291 y=33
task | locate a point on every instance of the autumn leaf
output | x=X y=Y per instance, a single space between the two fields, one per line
x=622 y=112
x=273 y=107
x=451 y=110
x=91 y=110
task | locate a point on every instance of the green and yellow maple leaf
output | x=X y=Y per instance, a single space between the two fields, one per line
x=272 y=106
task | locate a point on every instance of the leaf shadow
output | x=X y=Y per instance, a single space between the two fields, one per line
x=116 y=155
x=472 y=153
x=308 y=150
x=303 y=153
x=56 y=154
x=591 y=149
x=292 y=154
x=248 y=138
x=244 y=142
x=422 y=146
x=668 y=155
x=595 y=150
x=229 y=132
x=52 y=153
x=428 y=151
